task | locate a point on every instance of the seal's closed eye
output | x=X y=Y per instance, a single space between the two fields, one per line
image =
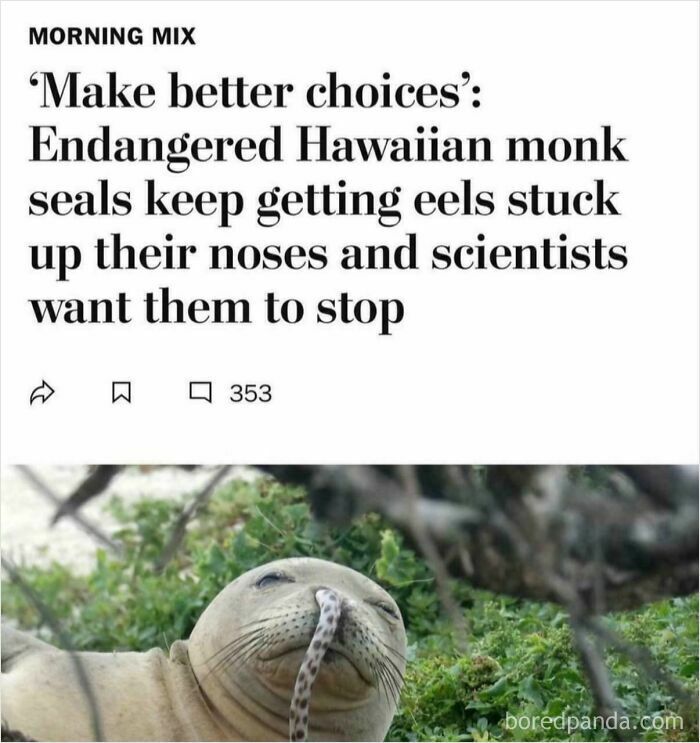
x=270 y=579
x=386 y=608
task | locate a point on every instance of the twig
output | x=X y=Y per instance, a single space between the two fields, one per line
x=596 y=672
x=432 y=555
x=639 y=655
x=43 y=489
x=188 y=513
x=96 y=482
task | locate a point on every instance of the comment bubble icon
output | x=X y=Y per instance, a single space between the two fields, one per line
x=200 y=391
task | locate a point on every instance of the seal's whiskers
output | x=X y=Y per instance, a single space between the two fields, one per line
x=329 y=614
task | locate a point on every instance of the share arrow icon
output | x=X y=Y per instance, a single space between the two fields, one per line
x=41 y=393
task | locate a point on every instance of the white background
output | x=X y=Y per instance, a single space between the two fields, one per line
x=487 y=367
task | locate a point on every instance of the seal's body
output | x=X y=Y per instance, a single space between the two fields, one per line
x=235 y=676
x=136 y=693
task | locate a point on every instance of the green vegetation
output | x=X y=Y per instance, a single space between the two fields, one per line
x=520 y=660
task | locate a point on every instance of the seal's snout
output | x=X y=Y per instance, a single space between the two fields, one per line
x=320 y=591
x=344 y=603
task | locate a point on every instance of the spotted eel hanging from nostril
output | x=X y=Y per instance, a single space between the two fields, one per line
x=329 y=614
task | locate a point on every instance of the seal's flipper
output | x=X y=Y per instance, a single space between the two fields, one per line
x=178 y=652
x=16 y=644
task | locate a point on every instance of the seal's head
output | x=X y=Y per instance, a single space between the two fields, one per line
x=247 y=648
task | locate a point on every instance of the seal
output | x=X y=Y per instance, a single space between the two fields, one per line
x=250 y=670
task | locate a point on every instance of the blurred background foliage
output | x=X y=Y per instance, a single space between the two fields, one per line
x=520 y=658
